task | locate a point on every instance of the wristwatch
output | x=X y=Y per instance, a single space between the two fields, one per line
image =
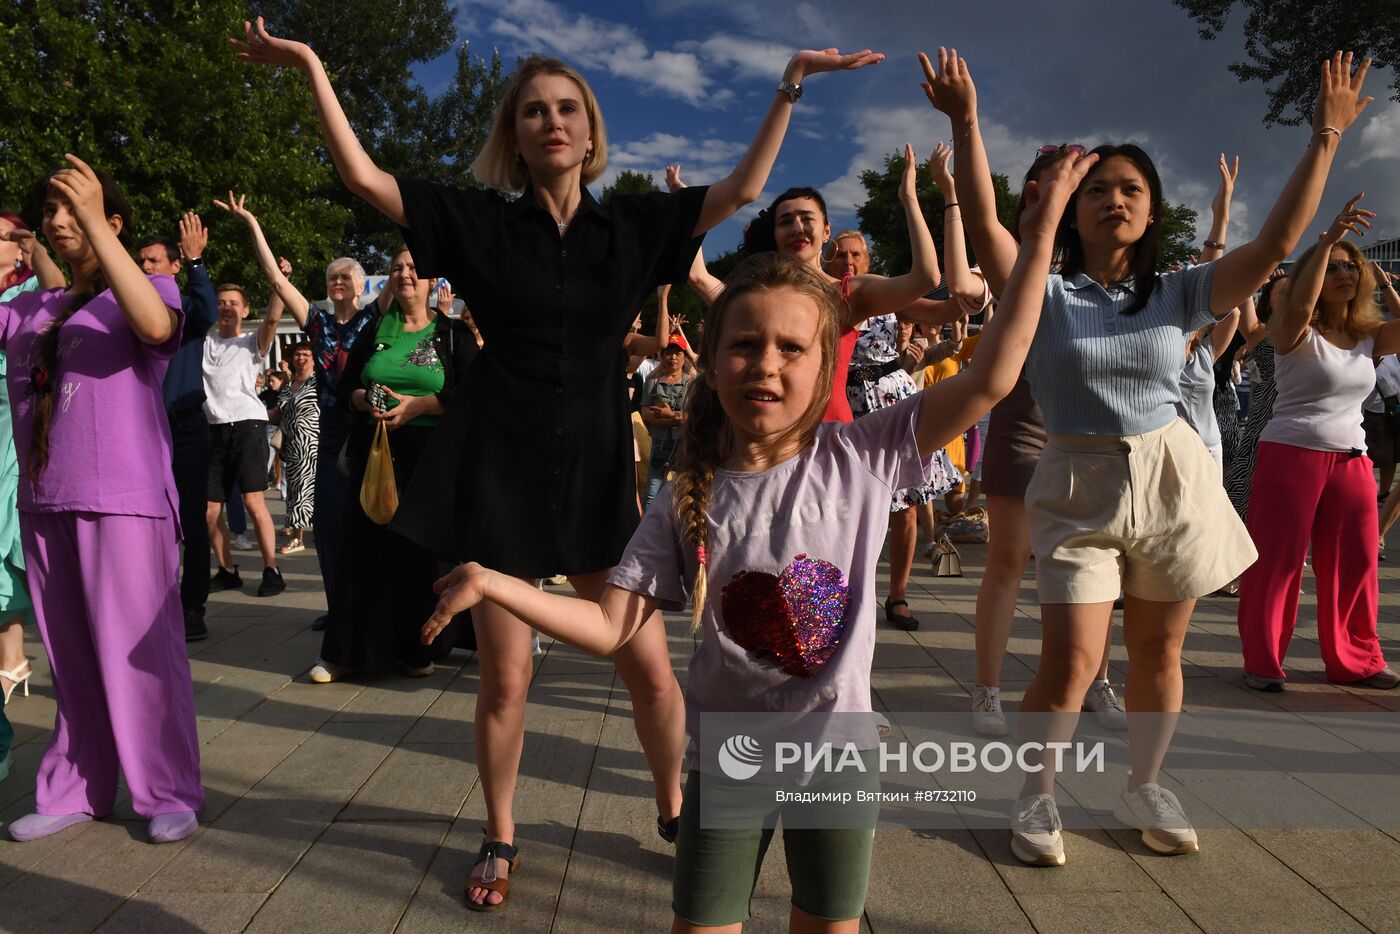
x=793 y=91
x=196 y=261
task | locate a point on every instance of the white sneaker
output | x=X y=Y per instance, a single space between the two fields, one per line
x=1158 y=814
x=242 y=543
x=1107 y=708
x=323 y=672
x=1035 y=832
x=987 y=717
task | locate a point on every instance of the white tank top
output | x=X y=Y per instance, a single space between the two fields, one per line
x=1320 y=391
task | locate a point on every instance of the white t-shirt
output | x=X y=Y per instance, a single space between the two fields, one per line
x=1320 y=391
x=231 y=368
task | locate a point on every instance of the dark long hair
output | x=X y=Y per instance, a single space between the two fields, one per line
x=43 y=376
x=761 y=235
x=1143 y=264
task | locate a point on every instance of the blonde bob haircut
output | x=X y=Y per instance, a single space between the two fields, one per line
x=1362 y=316
x=499 y=166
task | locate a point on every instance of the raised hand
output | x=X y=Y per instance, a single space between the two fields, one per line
x=673 y=178
x=1226 y=191
x=938 y=168
x=1339 y=101
x=234 y=205
x=25 y=239
x=1383 y=278
x=811 y=62
x=909 y=181
x=949 y=88
x=444 y=296
x=193 y=236
x=461 y=589
x=79 y=186
x=284 y=267
x=1047 y=196
x=1350 y=218
x=260 y=47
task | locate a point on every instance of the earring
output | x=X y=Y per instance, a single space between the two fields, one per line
x=19 y=264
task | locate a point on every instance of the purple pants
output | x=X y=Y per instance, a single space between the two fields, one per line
x=106 y=595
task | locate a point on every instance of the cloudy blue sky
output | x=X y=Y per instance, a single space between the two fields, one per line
x=688 y=81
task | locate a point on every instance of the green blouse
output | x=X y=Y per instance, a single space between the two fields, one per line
x=405 y=362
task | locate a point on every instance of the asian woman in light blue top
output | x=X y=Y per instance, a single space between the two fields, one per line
x=1125 y=494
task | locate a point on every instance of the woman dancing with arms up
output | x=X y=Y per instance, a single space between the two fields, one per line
x=1152 y=520
x=553 y=280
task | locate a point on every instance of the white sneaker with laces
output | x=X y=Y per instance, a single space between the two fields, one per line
x=1156 y=812
x=987 y=717
x=1107 y=708
x=243 y=543
x=1035 y=831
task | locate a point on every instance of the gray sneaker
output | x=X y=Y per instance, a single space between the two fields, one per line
x=987 y=717
x=1159 y=815
x=1035 y=832
x=1260 y=683
x=1107 y=708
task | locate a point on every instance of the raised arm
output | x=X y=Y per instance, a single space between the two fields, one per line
x=1386 y=283
x=48 y=273
x=145 y=310
x=1224 y=332
x=745 y=183
x=645 y=345
x=705 y=285
x=1293 y=309
x=267 y=262
x=1214 y=247
x=1388 y=334
x=963 y=284
x=950 y=89
x=597 y=628
x=1251 y=328
x=873 y=295
x=1241 y=271
x=201 y=304
x=356 y=168
x=950 y=407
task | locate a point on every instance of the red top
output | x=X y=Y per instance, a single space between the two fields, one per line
x=838 y=407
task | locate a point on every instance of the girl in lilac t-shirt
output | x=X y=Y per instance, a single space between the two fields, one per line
x=774 y=525
x=99 y=524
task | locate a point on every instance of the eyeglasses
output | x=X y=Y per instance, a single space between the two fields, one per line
x=1348 y=266
x=1049 y=150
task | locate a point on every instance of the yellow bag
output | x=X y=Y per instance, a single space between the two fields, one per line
x=379 y=496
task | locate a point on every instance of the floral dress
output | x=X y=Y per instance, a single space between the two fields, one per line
x=874 y=349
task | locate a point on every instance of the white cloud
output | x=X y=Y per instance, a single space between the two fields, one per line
x=596 y=44
x=702 y=160
x=748 y=57
x=1380 y=134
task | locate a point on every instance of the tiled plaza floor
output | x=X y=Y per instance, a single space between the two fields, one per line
x=355 y=806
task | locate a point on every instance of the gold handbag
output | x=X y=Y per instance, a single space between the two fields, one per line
x=379 y=496
x=946 y=560
x=969 y=526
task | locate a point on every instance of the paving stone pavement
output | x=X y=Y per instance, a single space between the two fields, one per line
x=355 y=806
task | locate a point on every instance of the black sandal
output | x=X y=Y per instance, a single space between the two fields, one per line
x=491 y=851
x=908 y=623
x=668 y=829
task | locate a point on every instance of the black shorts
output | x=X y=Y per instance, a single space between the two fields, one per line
x=239 y=456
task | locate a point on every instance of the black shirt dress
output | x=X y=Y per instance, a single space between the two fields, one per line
x=531 y=469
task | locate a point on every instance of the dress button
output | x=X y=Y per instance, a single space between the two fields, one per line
x=563 y=252
x=558 y=288
x=558 y=390
x=558 y=431
x=553 y=507
x=557 y=471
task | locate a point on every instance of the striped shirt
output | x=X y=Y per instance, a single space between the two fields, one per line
x=1095 y=371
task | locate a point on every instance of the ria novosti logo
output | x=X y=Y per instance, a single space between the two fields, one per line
x=740 y=757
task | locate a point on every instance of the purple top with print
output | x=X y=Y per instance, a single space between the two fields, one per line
x=109 y=440
x=789 y=623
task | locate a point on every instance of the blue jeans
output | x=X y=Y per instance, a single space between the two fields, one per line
x=656 y=478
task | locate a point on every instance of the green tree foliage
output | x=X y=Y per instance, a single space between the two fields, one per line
x=149 y=91
x=1286 y=41
x=882 y=219
x=629 y=182
x=882 y=215
x=1178 y=237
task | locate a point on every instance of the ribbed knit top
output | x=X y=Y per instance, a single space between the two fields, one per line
x=1096 y=371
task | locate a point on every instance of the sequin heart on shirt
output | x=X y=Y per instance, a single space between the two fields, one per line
x=795 y=620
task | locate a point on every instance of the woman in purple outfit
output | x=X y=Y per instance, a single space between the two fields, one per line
x=100 y=531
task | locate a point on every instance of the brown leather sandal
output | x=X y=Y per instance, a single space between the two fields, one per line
x=491 y=851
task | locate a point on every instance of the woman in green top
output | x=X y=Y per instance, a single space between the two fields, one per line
x=404 y=377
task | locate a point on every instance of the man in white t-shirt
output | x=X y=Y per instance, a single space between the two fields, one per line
x=238 y=432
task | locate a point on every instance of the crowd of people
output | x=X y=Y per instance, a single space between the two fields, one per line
x=445 y=464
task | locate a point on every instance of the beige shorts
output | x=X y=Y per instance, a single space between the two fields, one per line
x=1142 y=514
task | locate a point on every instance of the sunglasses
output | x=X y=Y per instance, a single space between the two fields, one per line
x=1049 y=150
x=1334 y=268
